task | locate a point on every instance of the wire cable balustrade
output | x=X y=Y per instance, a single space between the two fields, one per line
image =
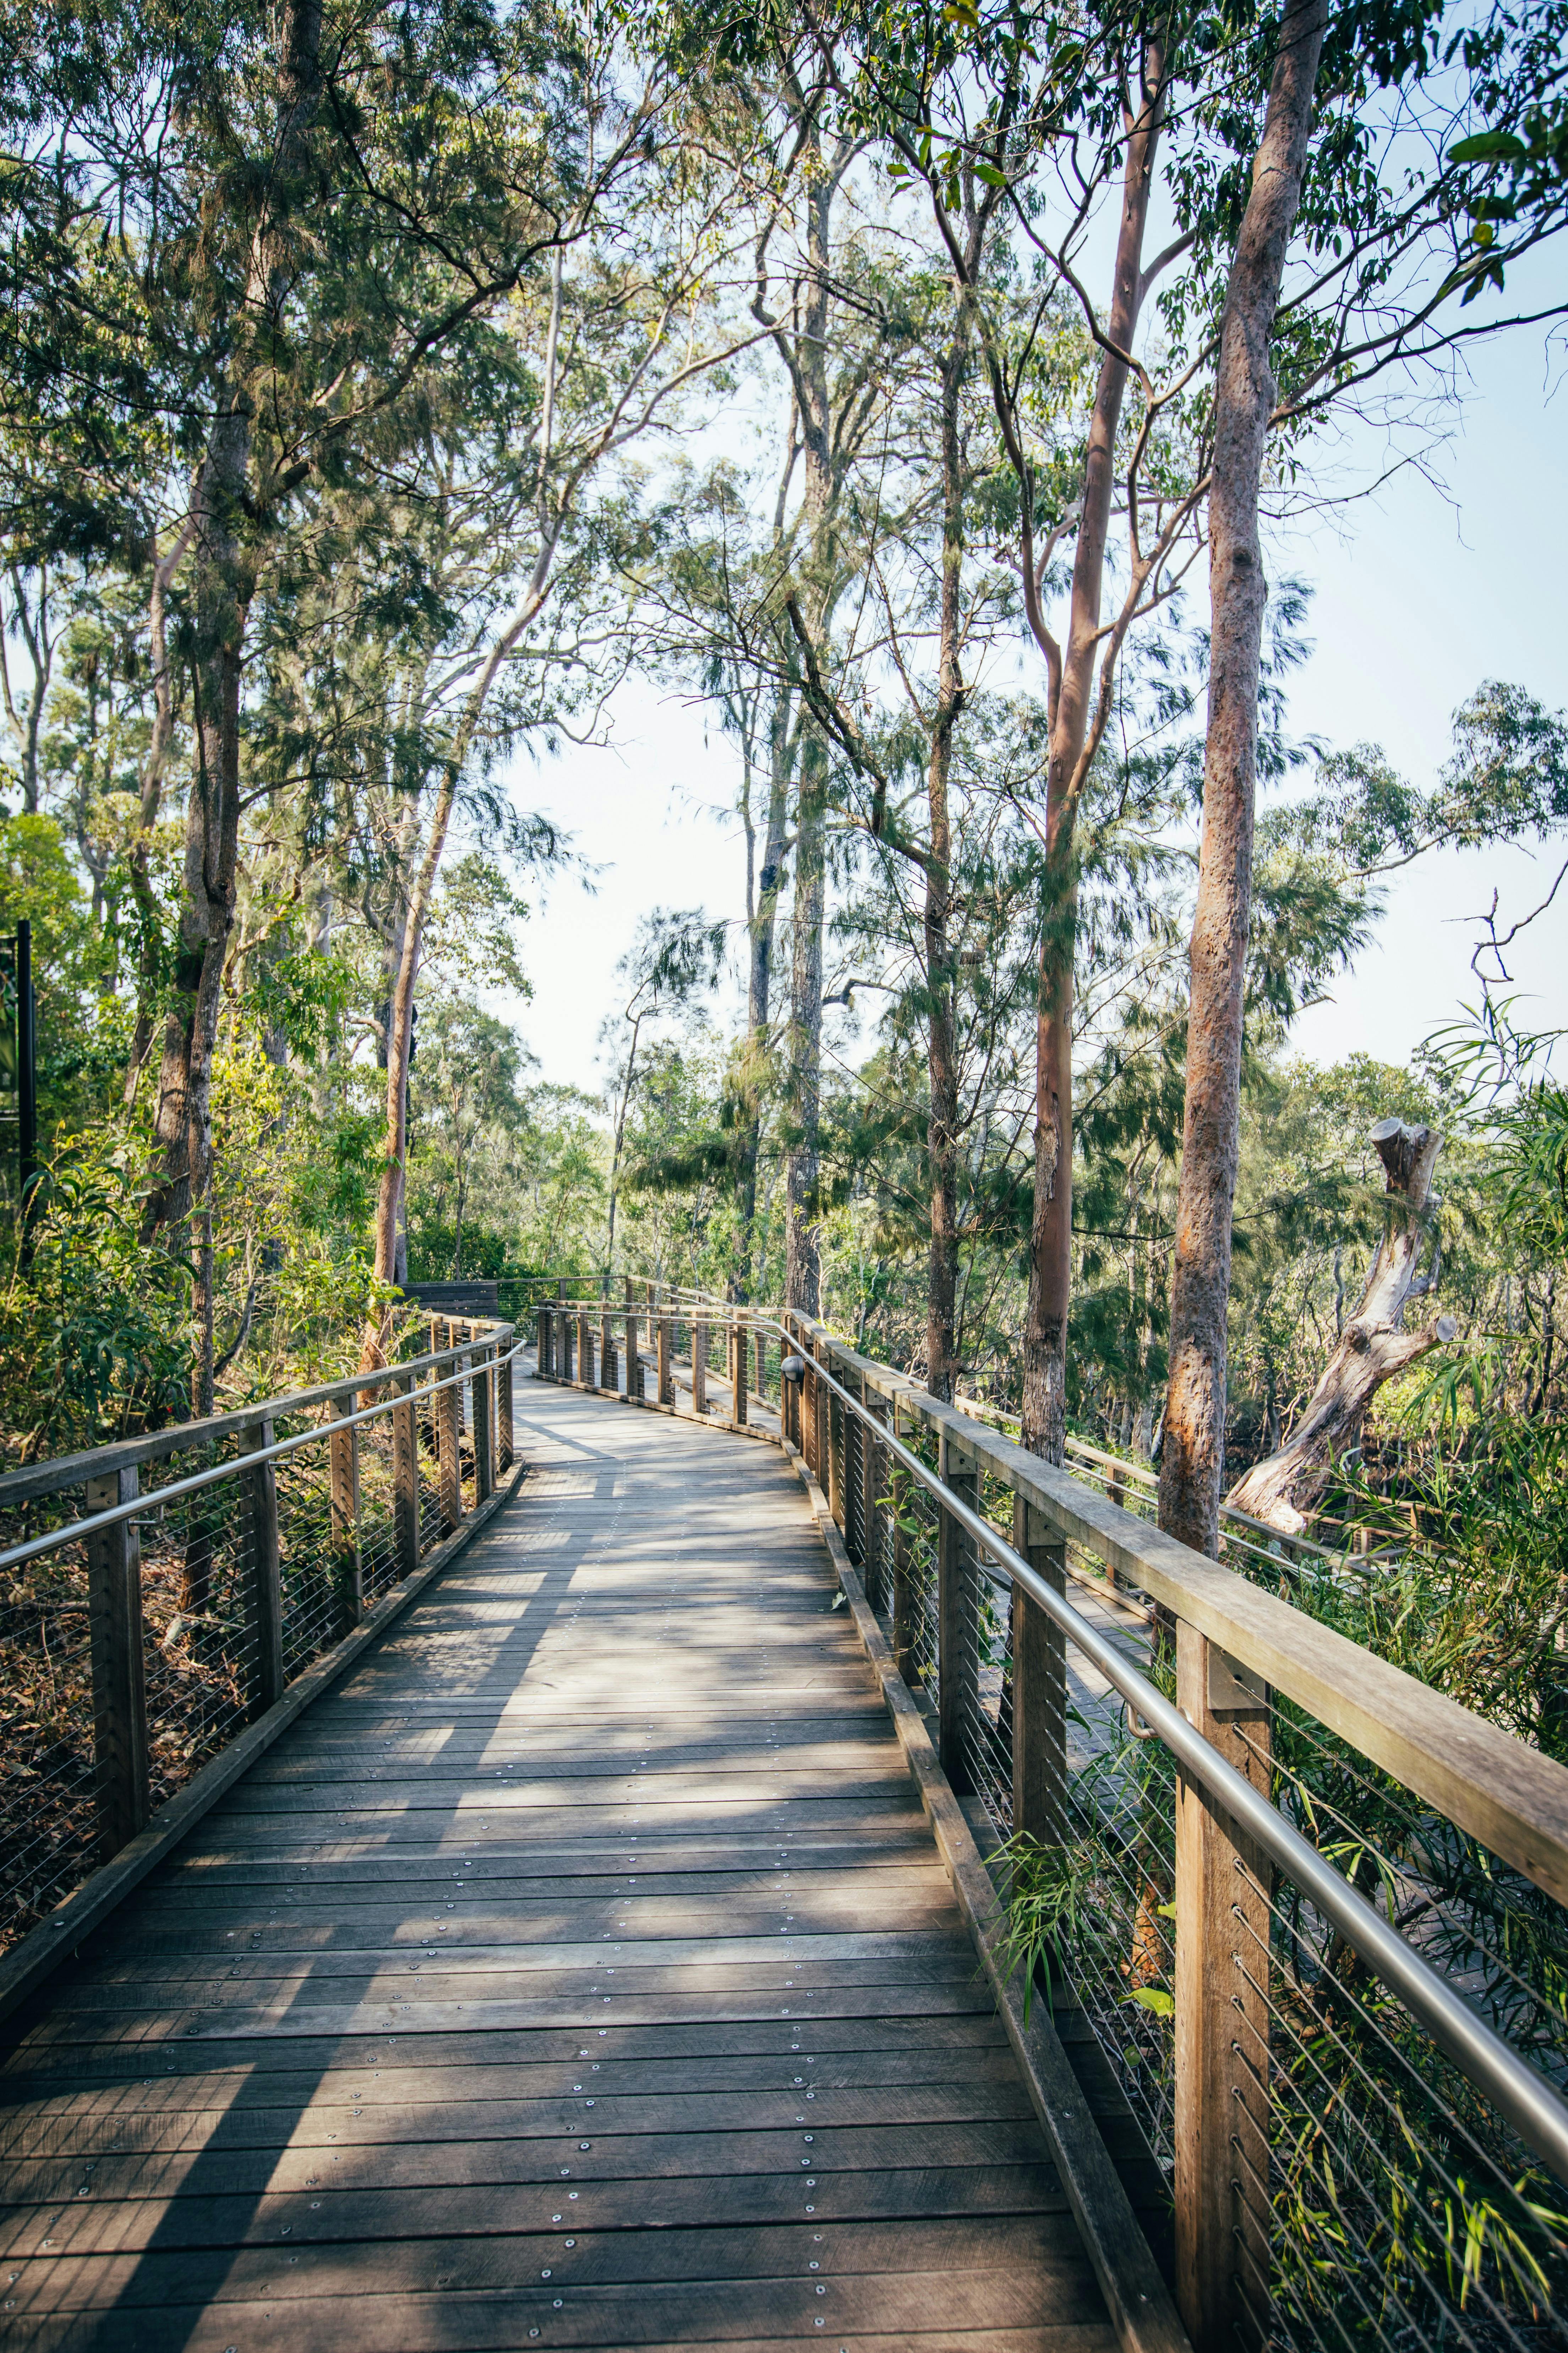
x=1311 y=1912
x=139 y=1638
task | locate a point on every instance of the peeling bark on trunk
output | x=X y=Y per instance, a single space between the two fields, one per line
x=1192 y=1457
x=1372 y=1347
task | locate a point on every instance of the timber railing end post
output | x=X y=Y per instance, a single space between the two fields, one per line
x=260 y=1488
x=1222 y=2002
x=1040 y=1685
x=405 y=1475
x=119 y=1676
x=448 y=1432
x=484 y=1422
x=958 y=1574
x=342 y=1450
x=504 y=1405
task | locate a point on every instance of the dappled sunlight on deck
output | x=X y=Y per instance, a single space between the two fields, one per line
x=579 y=1970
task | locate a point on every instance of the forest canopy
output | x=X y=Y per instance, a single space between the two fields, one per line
x=370 y=383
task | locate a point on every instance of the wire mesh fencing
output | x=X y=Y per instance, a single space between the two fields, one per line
x=1365 y=2191
x=152 y=1609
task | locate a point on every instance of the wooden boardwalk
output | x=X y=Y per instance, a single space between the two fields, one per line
x=579 y=1972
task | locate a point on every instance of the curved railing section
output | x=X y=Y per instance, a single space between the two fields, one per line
x=1307 y=1912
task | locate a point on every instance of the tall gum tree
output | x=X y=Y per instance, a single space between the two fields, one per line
x=978 y=110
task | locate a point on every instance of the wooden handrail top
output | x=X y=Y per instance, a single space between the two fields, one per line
x=1488 y=1782
x=65 y=1470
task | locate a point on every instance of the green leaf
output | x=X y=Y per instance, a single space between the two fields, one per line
x=1489 y=147
x=991 y=175
x=1153 y=1998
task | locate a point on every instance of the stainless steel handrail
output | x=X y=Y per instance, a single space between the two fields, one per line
x=1536 y=2111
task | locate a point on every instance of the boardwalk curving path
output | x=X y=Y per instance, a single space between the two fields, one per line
x=580 y=1971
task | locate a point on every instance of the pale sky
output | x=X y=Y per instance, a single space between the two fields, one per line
x=1420 y=595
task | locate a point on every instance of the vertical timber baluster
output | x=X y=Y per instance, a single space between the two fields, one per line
x=585 y=1352
x=634 y=1350
x=258 y=1490
x=1222 y=2016
x=607 y=1351
x=448 y=1466
x=484 y=1424
x=958 y=1634
x=1040 y=1685
x=405 y=1475
x=698 y=1365
x=741 y=1364
x=119 y=1675
x=343 y=1455
x=541 y=1351
x=662 y=1360
x=504 y=1452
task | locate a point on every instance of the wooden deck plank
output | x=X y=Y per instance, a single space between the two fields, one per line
x=594 y=1906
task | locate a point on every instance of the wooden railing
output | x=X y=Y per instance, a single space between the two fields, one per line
x=168 y=1603
x=1311 y=1909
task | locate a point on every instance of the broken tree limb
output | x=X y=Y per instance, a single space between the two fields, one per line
x=1372 y=1347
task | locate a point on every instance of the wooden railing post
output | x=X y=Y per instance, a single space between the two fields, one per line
x=119 y=1684
x=834 y=1481
x=504 y=1448
x=607 y=1372
x=739 y=1366
x=405 y=1476
x=484 y=1424
x=855 y=1476
x=447 y=1461
x=258 y=1488
x=958 y=1631
x=1039 y=1686
x=634 y=1357
x=874 y=1460
x=343 y=1455
x=662 y=1336
x=698 y=1365
x=1222 y=1999
x=585 y=1351
x=904 y=1596
x=761 y=1391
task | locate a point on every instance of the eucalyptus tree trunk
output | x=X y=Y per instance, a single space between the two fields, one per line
x=225 y=504
x=803 y=1249
x=941 y=1052
x=762 y=933
x=1192 y=1459
x=1372 y=1347
x=1072 y=669
x=138 y=854
x=182 y=1118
